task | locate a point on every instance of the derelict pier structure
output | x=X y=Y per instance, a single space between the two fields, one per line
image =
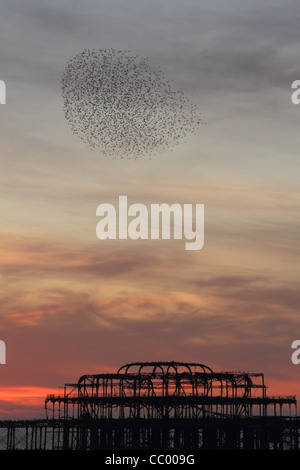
x=161 y=406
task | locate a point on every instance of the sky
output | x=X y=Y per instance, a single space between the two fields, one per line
x=72 y=304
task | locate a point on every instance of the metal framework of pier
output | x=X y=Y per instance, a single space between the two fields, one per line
x=161 y=405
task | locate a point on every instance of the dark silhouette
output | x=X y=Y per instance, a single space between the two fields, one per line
x=162 y=405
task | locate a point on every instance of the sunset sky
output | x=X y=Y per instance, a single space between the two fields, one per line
x=72 y=304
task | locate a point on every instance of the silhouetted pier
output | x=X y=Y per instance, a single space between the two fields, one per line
x=161 y=405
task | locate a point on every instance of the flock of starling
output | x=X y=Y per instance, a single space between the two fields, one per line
x=119 y=104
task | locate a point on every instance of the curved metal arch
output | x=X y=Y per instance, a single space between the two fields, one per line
x=167 y=364
x=149 y=386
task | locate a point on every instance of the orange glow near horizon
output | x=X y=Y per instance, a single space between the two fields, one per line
x=23 y=402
